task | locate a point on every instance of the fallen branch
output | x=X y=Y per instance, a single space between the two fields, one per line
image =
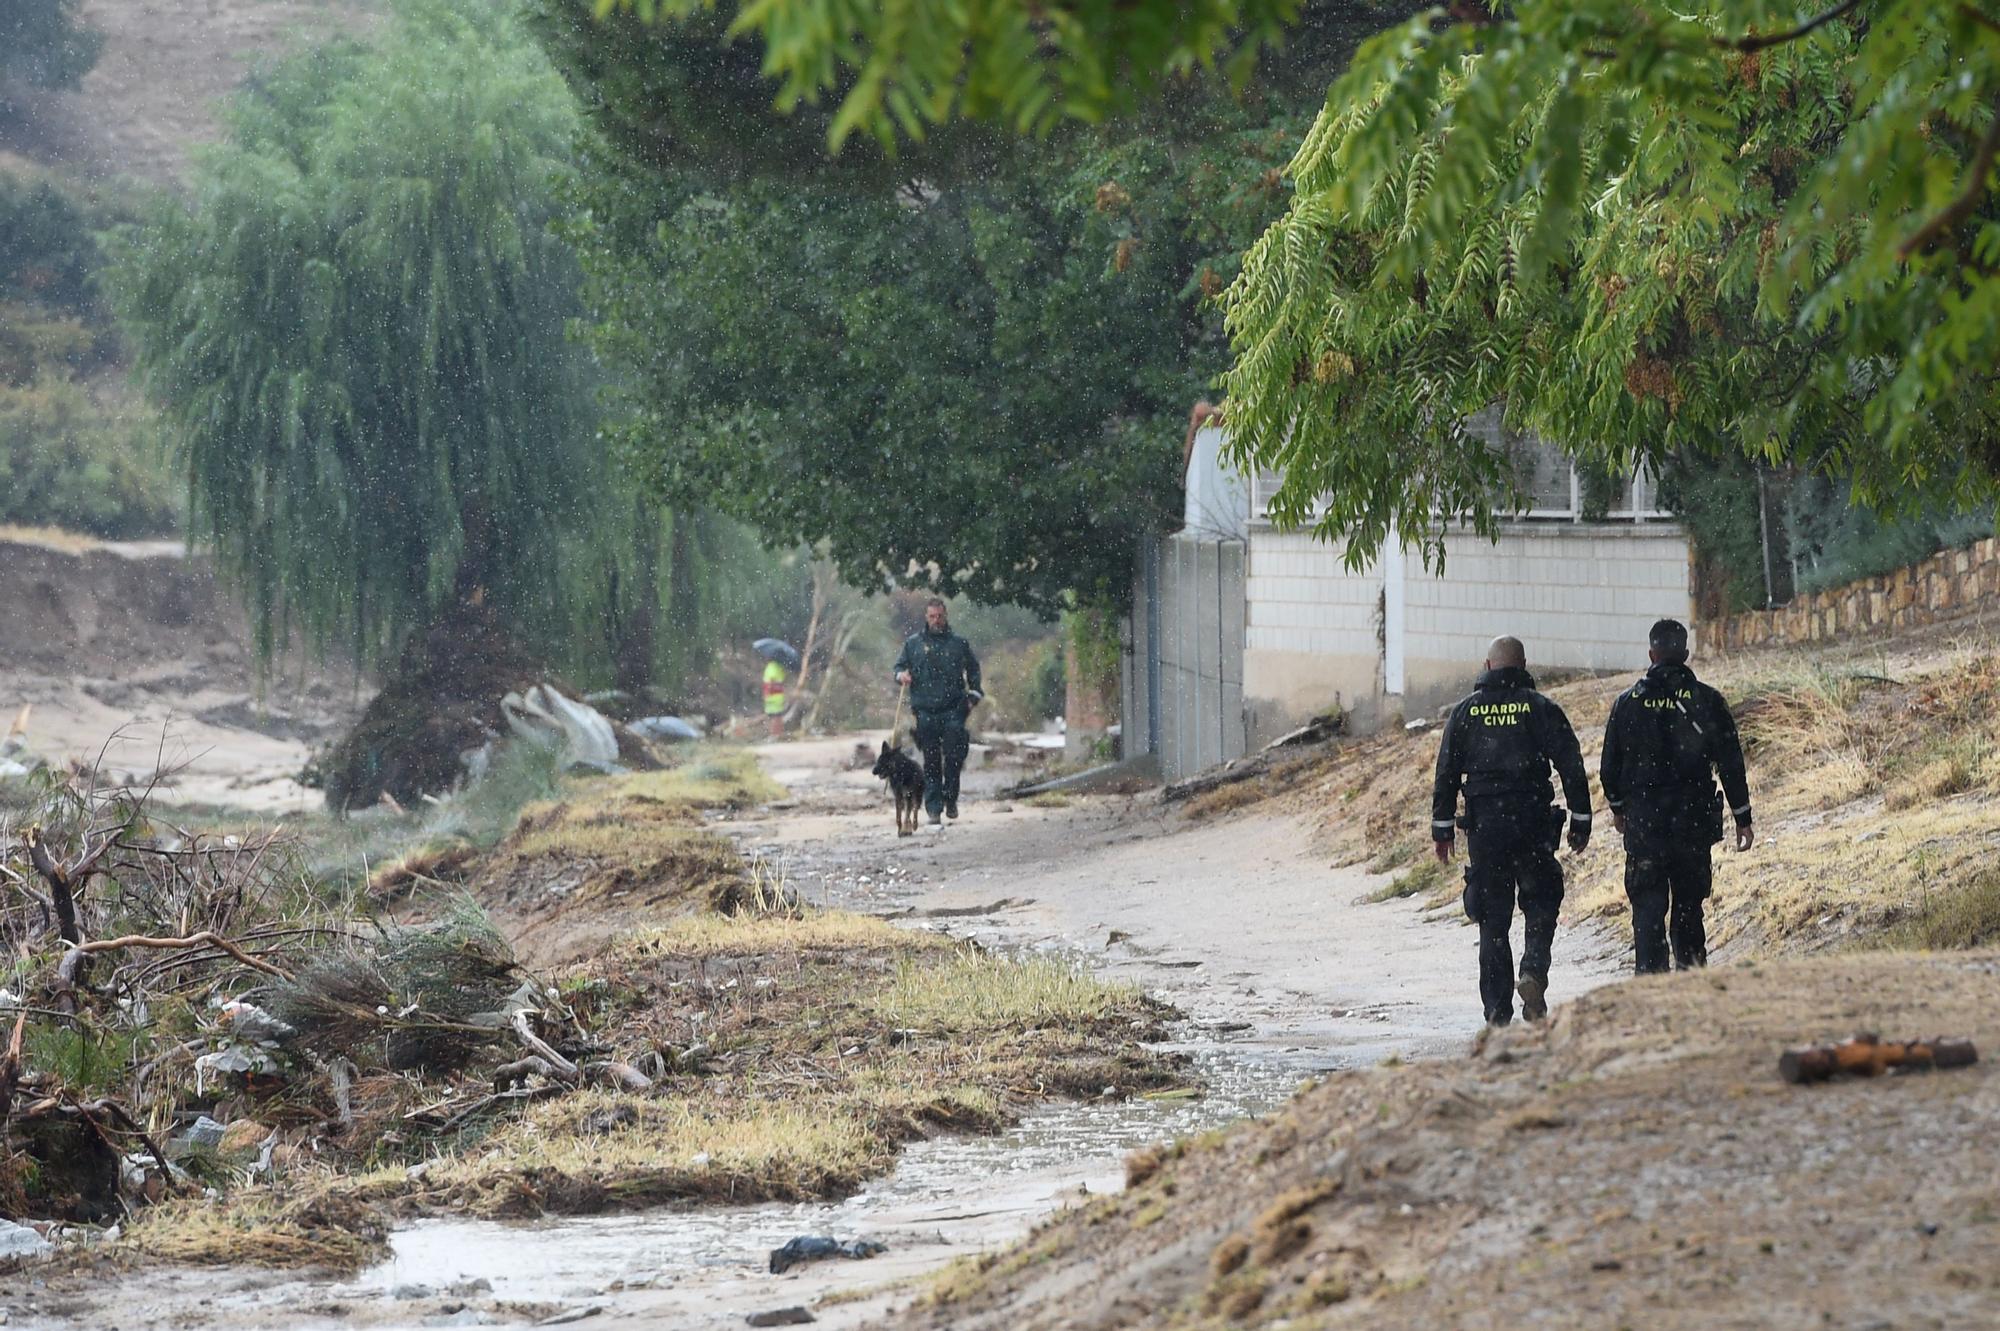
x=203 y=939
x=617 y=1076
x=562 y=1068
x=510 y=1075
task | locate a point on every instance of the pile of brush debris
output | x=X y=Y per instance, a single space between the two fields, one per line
x=192 y=1008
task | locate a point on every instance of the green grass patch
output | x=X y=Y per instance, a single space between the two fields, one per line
x=1965 y=917
x=1426 y=878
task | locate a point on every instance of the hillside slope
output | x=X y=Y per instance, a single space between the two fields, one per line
x=151 y=101
x=1874 y=770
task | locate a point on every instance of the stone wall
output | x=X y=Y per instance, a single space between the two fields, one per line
x=1949 y=584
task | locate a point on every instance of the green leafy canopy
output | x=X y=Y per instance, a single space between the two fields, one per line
x=1647 y=230
x=973 y=372
x=356 y=331
x=898 y=67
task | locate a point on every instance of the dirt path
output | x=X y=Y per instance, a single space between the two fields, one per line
x=1238 y=922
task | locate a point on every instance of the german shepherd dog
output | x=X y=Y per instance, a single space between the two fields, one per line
x=906 y=782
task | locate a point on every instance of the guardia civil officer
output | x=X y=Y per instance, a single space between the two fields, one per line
x=1498 y=747
x=1668 y=737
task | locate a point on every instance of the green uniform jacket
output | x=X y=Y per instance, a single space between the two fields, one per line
x=943 y=671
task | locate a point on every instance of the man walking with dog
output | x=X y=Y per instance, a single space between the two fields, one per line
x=1669 y=736
x=1497 y=748
x=941 y=673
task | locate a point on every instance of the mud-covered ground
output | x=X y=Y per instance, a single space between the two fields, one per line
x=133 y=658
x=1279 y=964
x=1636 y=1163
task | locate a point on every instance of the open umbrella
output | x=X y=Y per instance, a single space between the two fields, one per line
x=777 y=649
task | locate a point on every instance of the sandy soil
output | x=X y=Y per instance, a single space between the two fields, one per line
x=1636 y=1163
x=137 y=656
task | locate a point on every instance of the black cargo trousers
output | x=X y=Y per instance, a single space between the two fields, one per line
x=944 y=742
x=1510 y=855
x=1667 y=882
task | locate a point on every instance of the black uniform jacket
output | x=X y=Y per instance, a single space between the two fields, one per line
x=1501 y=740
x=1666 y=735
x=944 y=674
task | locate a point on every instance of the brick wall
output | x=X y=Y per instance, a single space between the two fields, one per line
x=1948 y=584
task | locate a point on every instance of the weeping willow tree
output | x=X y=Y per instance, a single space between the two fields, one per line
x=355 y=329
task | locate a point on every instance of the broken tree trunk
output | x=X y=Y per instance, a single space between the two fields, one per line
x=1867 y=1056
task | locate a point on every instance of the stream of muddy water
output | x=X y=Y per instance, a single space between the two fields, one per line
x=948 y=1196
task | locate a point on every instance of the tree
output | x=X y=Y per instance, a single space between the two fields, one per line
x=356 y=331
x=977 y=367
x=43 y=44
x=1748 y=231
x=899 y=69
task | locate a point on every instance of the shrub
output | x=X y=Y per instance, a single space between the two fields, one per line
x=67 y=460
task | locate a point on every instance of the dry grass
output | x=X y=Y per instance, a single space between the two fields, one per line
x=49 y=538
x=1874 y=779
x=713 y=777
x=1965 y=917
x=596 y=1150
x=749 y=934
x=1226 y=799
x=309 y=1227
x=977 y=991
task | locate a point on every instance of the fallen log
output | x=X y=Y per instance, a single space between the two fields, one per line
x=1229 y=774
x=1867 y=1056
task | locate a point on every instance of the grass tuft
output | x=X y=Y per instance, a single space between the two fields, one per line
x=978 y=991
x=1965 y=918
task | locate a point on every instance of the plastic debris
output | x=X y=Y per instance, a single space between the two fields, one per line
x=817 y=1248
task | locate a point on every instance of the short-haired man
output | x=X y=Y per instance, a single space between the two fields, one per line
x=1668 y=737
x=1498 y=747
x=942 y=675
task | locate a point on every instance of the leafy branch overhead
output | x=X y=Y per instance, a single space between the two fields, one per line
x=900 y=67
x=1750 y=228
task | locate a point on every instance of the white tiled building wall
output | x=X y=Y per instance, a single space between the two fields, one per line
x=1581 y=596
x=1578 y=596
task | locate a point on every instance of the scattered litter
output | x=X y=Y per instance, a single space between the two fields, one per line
x=203 y=1132
x=665 y=728
x=18 y=1242
x=1867 y=1056
x=818 y=1247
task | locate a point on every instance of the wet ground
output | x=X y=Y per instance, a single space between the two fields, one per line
x=1279 y=965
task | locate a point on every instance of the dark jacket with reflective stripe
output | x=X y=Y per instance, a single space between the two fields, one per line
x=1501 y=740
x=942 y=669
x=1669 y=736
